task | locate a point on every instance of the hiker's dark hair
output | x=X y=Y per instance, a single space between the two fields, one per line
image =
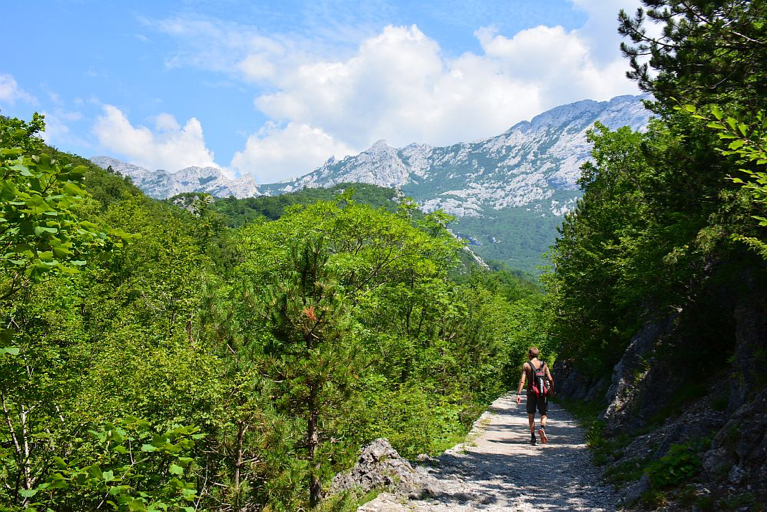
x=533 y=352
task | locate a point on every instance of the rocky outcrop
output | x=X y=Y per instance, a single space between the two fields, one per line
x=639 y=374
x=693 y=426
x=738 y=455
x=572 y=384
x=697 y=377
x=524 y=165
x=379 y=466
x=749 y=368
x=162 y=184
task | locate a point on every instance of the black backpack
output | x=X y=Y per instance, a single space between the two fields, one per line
x=539 y=384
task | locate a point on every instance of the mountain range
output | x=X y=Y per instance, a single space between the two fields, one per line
x=508 y=193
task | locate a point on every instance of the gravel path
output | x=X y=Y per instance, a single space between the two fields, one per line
x=497 y=469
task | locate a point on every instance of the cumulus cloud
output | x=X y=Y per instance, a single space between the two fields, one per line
x=10 y=92
x=276 y=153
x=170 y=147
x=559 y=65
x=398 y=84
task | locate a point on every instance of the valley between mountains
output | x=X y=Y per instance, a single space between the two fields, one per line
x=508 y=193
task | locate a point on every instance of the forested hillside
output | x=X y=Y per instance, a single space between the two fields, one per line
x=659 y=294
x=237 y=212
x=154 y=358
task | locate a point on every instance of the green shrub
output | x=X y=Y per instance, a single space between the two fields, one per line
x=678 y=465
x=134 y=468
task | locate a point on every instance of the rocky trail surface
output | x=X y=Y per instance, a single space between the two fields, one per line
x=497 y=469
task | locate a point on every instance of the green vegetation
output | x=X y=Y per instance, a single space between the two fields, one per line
x=238 y=212
x=166 y=360
x=515 y=236
x=236 y=354
x=677 y=466
x=668 y=212
x=670 y=218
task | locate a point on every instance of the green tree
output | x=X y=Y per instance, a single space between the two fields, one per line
x=708 y=51
x=40 y=230
x=311 y=351
x=660 y=209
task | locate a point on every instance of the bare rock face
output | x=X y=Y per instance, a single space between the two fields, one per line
x=626 y=409
x=751 y=332
x=574 y=385
x=161 y=184
x=380 y=467
x=524 y=165
x=739 y=452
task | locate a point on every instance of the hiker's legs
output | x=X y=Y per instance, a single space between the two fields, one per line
x=531 y=421
x=544 y=417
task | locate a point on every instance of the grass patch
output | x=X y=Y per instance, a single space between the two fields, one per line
x=605 y=449
x=585 y=413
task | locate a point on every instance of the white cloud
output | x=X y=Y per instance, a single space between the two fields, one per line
x=57 y=131
x=276 y=153
x=227 y=47
x=399 y=85
x=166 y=123
x=171 y=147
x=10 y=92
x=601 y=29
x=558 y=64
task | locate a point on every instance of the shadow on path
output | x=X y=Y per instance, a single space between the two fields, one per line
x=497 y=469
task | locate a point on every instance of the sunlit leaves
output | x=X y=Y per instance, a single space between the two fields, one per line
x=40 y=230
x=150 y=479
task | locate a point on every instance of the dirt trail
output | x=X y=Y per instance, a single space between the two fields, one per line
x=497 y=469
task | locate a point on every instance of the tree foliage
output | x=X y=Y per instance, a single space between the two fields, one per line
x=258 y=358
x=665 y=212
x=40 y=230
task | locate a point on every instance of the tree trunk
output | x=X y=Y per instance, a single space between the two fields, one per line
x=313 y=438
x=241 y=428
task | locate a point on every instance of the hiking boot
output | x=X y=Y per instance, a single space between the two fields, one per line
x=532 y=439
x=544 y=438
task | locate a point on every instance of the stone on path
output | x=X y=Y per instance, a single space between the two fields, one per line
x=497 y=469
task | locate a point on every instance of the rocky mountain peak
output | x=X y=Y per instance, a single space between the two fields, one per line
x=522 y=166
x=521 y=181
x=380 y=145
x=161 y=184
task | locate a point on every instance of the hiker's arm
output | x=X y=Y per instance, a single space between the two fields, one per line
x=521 y=384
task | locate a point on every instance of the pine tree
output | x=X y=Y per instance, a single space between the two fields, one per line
x=311 y=349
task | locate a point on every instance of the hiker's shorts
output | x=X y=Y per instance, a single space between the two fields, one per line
x=541 y=403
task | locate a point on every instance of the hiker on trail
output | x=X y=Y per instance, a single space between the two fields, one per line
x=539 y=386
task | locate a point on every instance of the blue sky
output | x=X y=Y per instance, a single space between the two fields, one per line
x=275 y=88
